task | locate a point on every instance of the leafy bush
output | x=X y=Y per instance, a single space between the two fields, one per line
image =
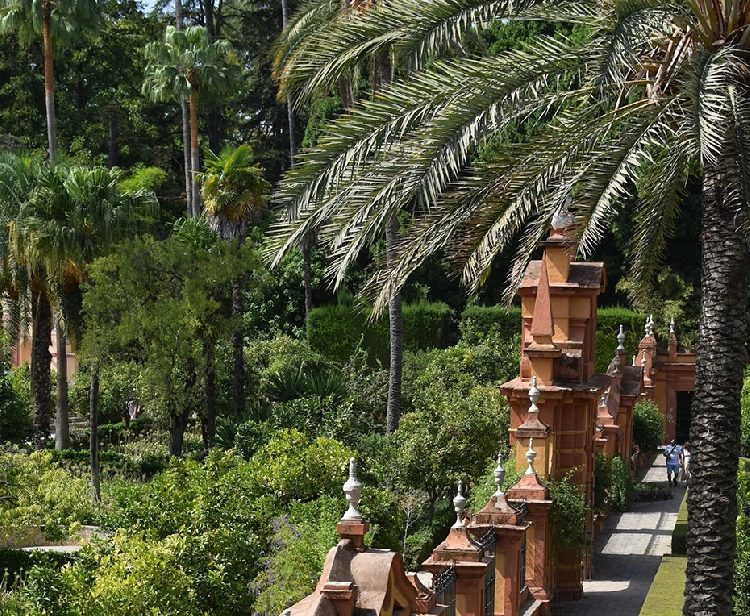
x=15 y=415
x=38 y=493
x=648 y=426
x=742 y=557
x=478 y=322
x=621 y=485
x=745 y=417
x=118 y=382
x=568 y=513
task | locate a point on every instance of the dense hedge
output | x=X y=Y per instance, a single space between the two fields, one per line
x=607 y=328
x=337 y=331
x=13 y=563
x=479 y=321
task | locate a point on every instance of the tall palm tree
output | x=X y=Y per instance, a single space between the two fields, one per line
x=55 y=21
x=186 y=65
x=71 y=216
x=650 y=93
x=233 y=188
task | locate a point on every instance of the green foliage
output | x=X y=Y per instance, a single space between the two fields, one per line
x=648 y=426
x=337 y=331
x=118 y=383
x=15 y=414
x=37 y=493
x=299 y=546
x=144 y=178
x=742 y=558
x=568 y=513
x=665 y=596
x=745 y=416
x=621 y=485
x=608 y=321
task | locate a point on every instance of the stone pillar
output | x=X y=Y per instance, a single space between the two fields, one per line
x=467 y=556
x=535 y=495
x=510 y=530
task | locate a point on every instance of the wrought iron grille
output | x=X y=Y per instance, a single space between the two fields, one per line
x=522 y=576
x=487 y=541
x=444 y=587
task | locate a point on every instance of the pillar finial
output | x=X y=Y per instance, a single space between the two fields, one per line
x=353 y=492
x=459 y=504
x=671 y=325
x=499 y=476
x=621 y=340
x=650 y=325
x=616 y=364
x=533 y=396
x=643 y=359
x=530 y=456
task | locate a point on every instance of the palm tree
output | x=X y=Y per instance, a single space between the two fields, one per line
x=71 y=216
x=233 y=189
x=55 y=21
x=650 y=93
x=184 y=65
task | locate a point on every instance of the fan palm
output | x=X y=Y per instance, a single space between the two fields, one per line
x=55 y=21
x=652 y=92
x=184 y=65
x=233 y=189
x=71 y=216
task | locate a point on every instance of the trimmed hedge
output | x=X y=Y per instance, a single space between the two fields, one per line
x=679 y=535
x=665 y=597
x=337 y=331
x=482 y=321
x=607 y=328
x=112 y=462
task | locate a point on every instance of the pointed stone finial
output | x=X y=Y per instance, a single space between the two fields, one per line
x=616 y=364
x=534 y=396
x=530 y=457
x=459 y=504
x=621 y=340
x=499 y=476
x=353 y=491
x=671 y=325
x=635 y=357
x=643 y=359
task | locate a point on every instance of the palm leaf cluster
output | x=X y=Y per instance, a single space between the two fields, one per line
x=624 y=109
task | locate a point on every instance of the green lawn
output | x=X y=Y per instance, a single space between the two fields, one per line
x=665 y=595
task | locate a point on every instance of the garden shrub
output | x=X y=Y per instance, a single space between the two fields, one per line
x=648 y=426
x=745 y=416
x=15 y=564
x=39 y=493
x=15 y=414
x=742 y=557
x=568 y=513
x=621 y=485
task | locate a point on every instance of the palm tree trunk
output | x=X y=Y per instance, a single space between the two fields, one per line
x=714 y=432
x=62 y=427
x=41 y=316
x=49 y=80
x=94 y=429
x=185 y=123
x=194 y=154
x=396 y=330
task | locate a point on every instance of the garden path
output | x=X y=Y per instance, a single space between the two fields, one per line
x=627 y=554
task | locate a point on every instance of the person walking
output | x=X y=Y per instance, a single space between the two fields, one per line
x=673 y=454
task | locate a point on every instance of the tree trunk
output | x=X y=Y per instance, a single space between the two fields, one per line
x=177 y=426
x=94 y=429
x=41 y=316
x=62 y=426
x=185 y=124
x=715 y=427
x=112 y=141
x=396 y=330
x=238 y=347
x=214 y=138
x=208 y=425
x=49 y=80
x=194 y=153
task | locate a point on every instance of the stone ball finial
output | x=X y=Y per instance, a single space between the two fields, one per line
x=534 y=396
x=530 y=457
x=621 y=340
x=499 y=476
x=353 y=492
x=459 y=505
x=671 y=325
x=650 y=325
